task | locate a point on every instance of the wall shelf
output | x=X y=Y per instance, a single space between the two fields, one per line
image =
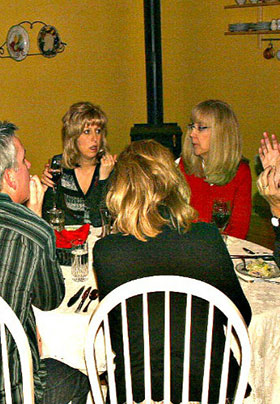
x=271 y=3
x=260 y=32
x=259 y=7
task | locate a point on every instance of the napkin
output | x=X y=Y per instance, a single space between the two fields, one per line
x=64 y=238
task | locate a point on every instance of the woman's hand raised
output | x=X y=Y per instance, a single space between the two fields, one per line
x=107 y=164
x=269 y=151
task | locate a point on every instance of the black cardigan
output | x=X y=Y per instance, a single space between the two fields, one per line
x=199 y=254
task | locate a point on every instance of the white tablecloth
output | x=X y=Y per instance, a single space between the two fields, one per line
x=62 y=330
x=264 y=332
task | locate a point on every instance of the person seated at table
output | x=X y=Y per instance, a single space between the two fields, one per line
x=269 y=184
x=86 y=166
x=213 y=165
x=154 y=234
x=30 y=275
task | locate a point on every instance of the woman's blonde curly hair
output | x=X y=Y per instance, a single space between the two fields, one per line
x=148 y=191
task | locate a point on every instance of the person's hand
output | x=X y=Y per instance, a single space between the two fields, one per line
x=46 y=177
x=267 y=184
x=37 y=191
x=107 y=164
x=269 y=150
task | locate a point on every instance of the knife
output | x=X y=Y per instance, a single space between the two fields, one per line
x=248 y=251
x=85 y=295
x=75 y=297
x=265 y=257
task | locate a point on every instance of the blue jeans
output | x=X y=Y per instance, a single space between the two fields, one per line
x=64 y=384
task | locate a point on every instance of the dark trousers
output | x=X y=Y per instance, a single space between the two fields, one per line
x=64 y=384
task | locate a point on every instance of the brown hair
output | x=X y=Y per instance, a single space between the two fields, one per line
x=74 y=121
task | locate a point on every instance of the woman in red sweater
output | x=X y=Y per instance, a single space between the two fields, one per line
x=213 y=166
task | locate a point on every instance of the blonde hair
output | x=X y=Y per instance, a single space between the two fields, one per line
x=225 y=150
x=148 y=191
x=79 y=116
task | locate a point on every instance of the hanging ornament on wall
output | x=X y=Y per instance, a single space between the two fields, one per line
x=17 y=42
x=49 y=42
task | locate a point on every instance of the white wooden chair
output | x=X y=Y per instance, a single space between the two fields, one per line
x=167 y=284
x=9 y=321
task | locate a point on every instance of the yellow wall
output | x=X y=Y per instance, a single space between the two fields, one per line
x=104 y=63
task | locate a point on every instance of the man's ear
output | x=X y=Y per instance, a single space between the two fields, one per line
x=9 y=178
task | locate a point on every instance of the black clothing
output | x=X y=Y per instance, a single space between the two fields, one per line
x=200 y=254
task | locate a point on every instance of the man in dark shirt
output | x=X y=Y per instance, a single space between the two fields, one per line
x=30 y=274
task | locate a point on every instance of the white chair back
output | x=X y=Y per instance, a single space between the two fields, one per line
x=167 y=284
x=9 y=321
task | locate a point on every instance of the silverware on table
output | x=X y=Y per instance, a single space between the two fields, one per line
x=265 y=257
x=248 y=251
x=258 y=280
x=75 y=297
x=85 y=295
x=92 y=296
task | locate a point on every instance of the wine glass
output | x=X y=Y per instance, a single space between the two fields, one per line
x=79 y=260
x=221 y=212
x=56 y=171
x=106 y=222
x=56 y=216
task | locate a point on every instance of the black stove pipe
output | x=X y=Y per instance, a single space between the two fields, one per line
x=152 y=23
x=168 y=134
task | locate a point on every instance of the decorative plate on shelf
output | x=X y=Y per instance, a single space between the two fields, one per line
x=49 y=41
x=18 y=42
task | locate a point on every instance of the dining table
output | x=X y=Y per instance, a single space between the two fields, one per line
x=263 y=296
x=63 y=331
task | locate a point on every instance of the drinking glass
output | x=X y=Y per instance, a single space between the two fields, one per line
x=56 y=218
x=56 y=171
x=106 y=222
x=221 y=212
x=79 y=261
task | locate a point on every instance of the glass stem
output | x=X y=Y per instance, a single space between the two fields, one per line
x=54 y=198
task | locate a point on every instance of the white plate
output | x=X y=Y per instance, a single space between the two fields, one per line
x=259 y=265
x=18 y=42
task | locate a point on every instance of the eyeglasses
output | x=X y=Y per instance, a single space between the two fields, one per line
x=200 y=128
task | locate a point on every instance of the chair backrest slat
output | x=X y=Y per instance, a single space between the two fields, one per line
x=207 y=362
x=110 y=362
x=187 y=288
x=5 y=364
x=187 y=347
x=167 y=353
x=9 y=322
x=128 y=382
x=225 y=368
x=147 y=356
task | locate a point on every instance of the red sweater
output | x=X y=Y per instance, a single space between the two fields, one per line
x=237 y=191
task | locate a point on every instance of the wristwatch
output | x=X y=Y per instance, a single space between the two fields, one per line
x=275 y=221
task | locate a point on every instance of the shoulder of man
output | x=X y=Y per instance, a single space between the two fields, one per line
x=26 y=222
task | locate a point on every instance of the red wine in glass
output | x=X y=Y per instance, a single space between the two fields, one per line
x=221 y=214
x=56 y=171
x=56 y=175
